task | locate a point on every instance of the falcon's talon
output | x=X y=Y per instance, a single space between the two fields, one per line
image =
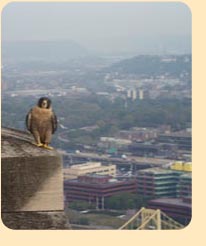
x=47 y=147
x=39 y=144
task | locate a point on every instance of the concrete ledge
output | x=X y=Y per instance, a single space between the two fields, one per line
x=35 y=220
x=31 y=180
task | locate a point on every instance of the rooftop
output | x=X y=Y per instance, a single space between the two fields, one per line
x=86 y=165
x=186 y=176
x=171 y=201
x=157 y=170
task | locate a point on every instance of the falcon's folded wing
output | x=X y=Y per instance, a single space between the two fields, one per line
x=54 y=122
x=28 y=121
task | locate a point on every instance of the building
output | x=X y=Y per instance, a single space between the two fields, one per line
x=157 y=182
x=117 y=143
x=114 y=141
x=94 y=188
x=132 y=94
x=144 y=149
x=170 y=189
x=139 y=134
x=176 y=208
x=183 y=139
x=185 y=187
x=154 y=150
x=141 y=94
x=123 y=160
x=182 y=166
x=89 y=168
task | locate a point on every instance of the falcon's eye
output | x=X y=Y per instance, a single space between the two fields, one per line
x=44 y=104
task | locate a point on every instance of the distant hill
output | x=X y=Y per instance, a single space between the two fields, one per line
x=153 y=65
x=42 y=50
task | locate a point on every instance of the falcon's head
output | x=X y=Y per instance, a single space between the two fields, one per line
x=44 y=102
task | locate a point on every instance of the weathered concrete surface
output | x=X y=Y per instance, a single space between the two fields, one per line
x=35 y=220
x=31 y=181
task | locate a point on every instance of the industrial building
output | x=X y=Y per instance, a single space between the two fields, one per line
x=89 y=168
x=157 y=182
x=94 y=188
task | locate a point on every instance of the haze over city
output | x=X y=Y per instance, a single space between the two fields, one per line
x=102 y=27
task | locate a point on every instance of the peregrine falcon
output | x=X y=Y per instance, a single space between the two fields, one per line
x=41 y=121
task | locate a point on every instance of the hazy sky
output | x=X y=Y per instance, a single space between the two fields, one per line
x=95 y=25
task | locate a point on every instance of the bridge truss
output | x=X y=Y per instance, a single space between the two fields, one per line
x=151 y=219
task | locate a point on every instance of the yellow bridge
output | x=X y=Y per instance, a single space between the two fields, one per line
x=150 y=219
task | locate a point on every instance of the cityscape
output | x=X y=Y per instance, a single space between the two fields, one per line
x=124 y=127
x=123 y=151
